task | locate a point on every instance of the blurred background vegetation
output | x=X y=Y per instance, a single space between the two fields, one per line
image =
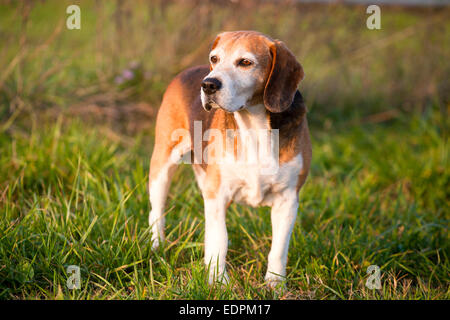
x=77 y=109
x=120 y=62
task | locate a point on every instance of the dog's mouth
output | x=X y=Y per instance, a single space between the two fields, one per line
x=212 y=104
x=207 y=106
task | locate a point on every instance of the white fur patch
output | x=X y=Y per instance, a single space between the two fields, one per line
x=243 y=182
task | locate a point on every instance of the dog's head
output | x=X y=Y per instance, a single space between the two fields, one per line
x=249 y=68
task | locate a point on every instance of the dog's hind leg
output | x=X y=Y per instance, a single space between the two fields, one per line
x=165 y=160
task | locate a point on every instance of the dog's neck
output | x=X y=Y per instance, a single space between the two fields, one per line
x=257 y=117
x=256 y=140
x=252 y=117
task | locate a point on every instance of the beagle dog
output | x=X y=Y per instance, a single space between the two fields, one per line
x=250 y=85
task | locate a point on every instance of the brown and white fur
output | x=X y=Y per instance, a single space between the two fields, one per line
x=251 y=83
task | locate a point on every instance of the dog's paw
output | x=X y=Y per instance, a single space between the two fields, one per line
x=275 y=281
x=221 y=278
x=155 y=244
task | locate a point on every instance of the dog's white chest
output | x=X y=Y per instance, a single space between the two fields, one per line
x=257 y=178
x=251 y=185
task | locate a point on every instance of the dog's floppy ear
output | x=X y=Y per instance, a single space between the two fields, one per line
x=216 y=41
x=283 y=79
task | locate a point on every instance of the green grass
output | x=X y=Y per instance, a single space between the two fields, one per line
x=73 y=194
x=74 y=190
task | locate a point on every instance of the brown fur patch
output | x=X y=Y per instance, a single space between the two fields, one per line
x=284 y=77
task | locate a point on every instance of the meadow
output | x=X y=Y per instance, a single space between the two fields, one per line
x=76 y=137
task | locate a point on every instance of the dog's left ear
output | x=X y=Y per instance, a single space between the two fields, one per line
x=284 y=77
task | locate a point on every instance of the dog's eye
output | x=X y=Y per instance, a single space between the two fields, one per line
x=244 y=63
x=214 y=59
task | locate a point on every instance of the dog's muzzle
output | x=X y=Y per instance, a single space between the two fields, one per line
x=209 y=87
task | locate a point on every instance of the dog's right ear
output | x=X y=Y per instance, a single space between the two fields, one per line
x=216 y=41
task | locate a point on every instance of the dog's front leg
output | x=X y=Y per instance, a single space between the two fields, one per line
x=284 y=212
x=216 y=239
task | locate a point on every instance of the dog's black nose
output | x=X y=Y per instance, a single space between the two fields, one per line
x=211 y=85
